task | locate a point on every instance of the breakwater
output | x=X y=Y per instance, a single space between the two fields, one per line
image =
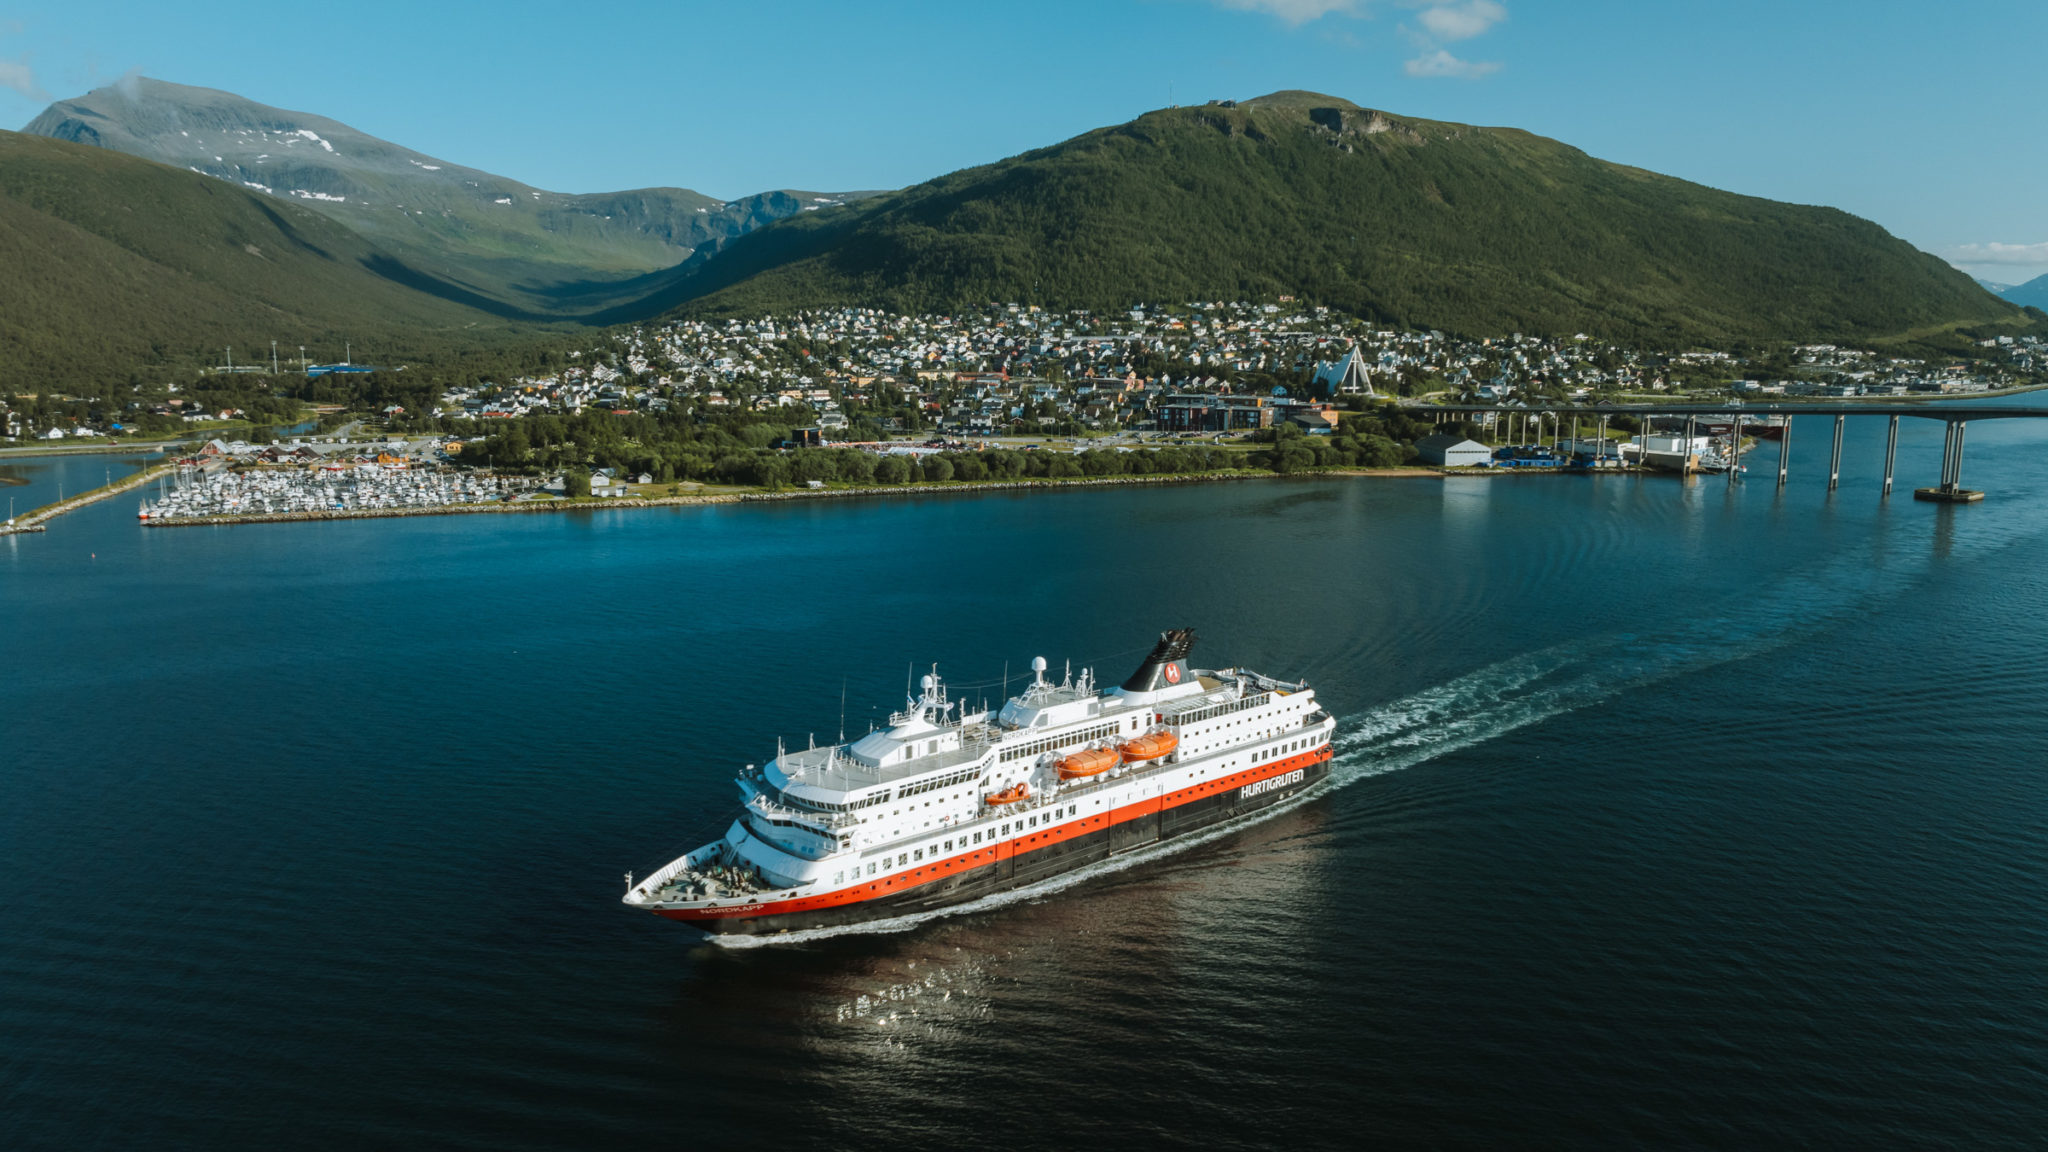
x=37 y=520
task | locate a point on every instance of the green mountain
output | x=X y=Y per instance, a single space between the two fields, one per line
x=1414 y=222
x=472 y=235
x=113 y=263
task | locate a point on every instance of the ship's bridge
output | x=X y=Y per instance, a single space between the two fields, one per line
x=837 y=776
x=929 y=738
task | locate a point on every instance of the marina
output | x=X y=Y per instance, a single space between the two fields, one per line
x=205 y=492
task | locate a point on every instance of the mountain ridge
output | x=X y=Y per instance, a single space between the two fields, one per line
x=482 y=235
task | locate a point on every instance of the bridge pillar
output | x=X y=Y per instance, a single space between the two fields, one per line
x=1734 y=446
x=1891 y=453
x=1784 y=450
x=1835 y=458
x=1685 y=454
x=1951 y=490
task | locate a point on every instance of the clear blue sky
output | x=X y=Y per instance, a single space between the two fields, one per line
x=1922 y=116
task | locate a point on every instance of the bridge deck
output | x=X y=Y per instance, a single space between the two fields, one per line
x=1945 y=409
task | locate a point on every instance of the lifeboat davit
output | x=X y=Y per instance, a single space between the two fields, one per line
x=1150 y=746
x=1089 y=762
x=1010 y=795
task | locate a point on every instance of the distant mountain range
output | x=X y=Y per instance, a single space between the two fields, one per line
x=492 y=241
x=2032 y=294
x=158 y=221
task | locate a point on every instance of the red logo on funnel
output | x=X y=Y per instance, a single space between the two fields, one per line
x=1173 y=673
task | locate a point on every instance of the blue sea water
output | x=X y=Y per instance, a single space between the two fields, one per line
x=1665 y=814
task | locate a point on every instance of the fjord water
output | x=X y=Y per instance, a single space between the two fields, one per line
x=1666 y=814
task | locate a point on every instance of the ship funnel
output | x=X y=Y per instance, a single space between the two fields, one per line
x=1167 y=665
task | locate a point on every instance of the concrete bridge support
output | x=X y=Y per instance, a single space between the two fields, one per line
x=1835 y=457
x=1891 y=454
x=1951 y=490
x=1784 y=451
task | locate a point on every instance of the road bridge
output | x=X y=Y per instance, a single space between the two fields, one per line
x=1957 y=417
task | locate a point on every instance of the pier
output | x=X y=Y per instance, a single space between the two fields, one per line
x=1948 y=489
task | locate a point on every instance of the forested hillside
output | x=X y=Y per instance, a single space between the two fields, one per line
x=1412 y=222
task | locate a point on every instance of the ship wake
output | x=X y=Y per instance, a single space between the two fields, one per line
x=1465 y=711
x=1528 y=689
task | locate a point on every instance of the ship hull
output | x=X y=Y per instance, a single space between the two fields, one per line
x=1026 y=860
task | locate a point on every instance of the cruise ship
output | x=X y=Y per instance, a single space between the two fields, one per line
x=945 y=806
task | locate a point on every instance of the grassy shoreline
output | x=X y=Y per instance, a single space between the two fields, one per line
x=929 y=487
x=35 y=520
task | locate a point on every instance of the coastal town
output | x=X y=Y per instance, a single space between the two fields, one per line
x=856 y=398
x=865 y=374
x=1200 y=367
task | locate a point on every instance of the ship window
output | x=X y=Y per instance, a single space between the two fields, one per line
x=838 y=878
x=917 y=854
x=871 y=869
x=1034 y=821
x=977 y=837
x=949 y=845
x=902 y=858
x=1006 y=829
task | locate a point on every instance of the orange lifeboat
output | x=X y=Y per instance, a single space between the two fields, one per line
x=1150 y=746
x=1010 y=795
x=1089 y=762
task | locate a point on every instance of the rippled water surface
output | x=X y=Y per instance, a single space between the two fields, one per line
x=1664 y=815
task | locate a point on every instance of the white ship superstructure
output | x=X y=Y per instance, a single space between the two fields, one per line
x=945 y=805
